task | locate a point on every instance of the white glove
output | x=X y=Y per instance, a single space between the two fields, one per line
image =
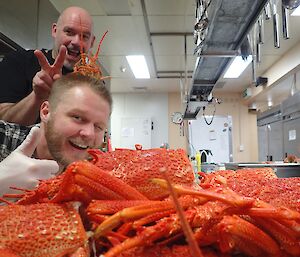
x=20 y=170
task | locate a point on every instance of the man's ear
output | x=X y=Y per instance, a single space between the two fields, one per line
x=45 y=111
x=53 y=29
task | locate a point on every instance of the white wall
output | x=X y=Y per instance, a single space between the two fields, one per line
x=19 y=22
x=154 y=106
x=47 y=15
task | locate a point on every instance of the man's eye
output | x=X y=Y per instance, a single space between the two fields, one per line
x=78 y=118
x=86 y=37
x=69 y=33
x=99 y=128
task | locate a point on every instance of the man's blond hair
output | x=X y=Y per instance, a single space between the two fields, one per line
x=72 y=80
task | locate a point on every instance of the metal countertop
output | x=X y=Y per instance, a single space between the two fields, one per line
x=282 y=170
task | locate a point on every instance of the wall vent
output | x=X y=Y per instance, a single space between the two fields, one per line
x=141 y=89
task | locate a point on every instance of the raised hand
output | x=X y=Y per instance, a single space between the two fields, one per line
x=43 y=80
x=20 y=170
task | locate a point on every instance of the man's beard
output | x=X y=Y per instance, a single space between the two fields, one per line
x=69 y=65
x=54 y=142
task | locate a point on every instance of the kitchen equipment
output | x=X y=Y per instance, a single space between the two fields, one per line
x=282 y=170
x=205 y=155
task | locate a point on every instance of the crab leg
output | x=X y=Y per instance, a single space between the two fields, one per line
x=143 y=210
x=225 y=195
x=130 y=213
x=98 y=210
x=263 y=209
x=237 y=233
x=165 y=227
x=85 y=181
x=151 y=211
x=105 y=207
x=286 y=237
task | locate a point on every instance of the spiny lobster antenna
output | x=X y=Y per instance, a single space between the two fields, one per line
x=87 y=65
x=98 y=50
x=193 y=246
x=83 y=60
x=81 y=40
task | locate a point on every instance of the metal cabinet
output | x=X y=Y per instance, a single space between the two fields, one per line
x=291 y=133
x=291 y=125
x=275 y=143
x=270 y=142
x=270 y=135
x=279 y=130
x=263 y=149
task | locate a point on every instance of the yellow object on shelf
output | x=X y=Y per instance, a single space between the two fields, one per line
x=198 y=160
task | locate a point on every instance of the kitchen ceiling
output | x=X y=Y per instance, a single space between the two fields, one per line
x=162 y=30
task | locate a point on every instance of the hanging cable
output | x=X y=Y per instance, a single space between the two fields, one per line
x=209 y=123
x=204 y=9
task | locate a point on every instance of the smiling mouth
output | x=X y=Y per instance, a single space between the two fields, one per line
x=79 y=146
x=73 y=53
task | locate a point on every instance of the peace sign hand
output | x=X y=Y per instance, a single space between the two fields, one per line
x=43 y=80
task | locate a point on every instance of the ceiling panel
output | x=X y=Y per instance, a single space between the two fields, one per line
x=92 y=6
x=153 y=85
x=125 y=35
x=171 y=23
x=168 y=45
x=170 y=7
x=115 y=7
x=114 y=64
x=170 y=63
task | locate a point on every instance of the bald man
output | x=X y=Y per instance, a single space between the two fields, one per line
x=27 y=76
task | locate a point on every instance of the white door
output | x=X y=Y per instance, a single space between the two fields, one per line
x=215 y=137
x=135 y=130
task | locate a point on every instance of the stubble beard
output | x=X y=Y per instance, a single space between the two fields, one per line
x=69 y=66
x=54 y=142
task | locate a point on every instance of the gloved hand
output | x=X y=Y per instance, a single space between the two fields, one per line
x=20 y=170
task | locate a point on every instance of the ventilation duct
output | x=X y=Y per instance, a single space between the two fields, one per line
x=228 y=23
x=290 y=4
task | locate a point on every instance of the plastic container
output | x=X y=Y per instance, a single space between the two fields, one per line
x=198 y=160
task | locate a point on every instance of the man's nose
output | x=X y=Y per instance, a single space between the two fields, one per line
x=76 y=40
x=88 y=130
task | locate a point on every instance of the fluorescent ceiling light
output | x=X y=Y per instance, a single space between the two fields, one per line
x=270 y=103
x=138 y=66
x=296 y=12
x=237 y=67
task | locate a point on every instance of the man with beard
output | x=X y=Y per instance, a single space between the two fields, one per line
x=27 y=76
x=73 y=119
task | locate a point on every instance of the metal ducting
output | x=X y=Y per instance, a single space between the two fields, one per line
x=7 y=45
x=290 y=4
x=228 y=23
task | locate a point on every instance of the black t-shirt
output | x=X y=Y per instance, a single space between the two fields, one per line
x=17 y=70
